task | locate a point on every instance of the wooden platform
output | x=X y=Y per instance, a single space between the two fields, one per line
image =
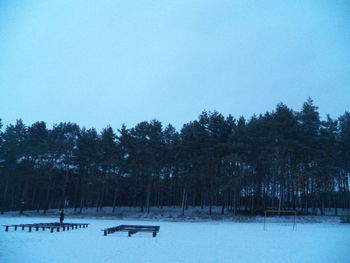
x=132 y=229
x=50 y=226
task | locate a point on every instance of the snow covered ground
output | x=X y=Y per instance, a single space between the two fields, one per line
x=214 y=241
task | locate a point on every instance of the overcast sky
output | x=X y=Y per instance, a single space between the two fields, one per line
x=100 y=63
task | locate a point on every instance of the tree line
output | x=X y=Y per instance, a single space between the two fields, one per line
x=282 y=159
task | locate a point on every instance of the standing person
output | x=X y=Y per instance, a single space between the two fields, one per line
x=22 y=208
x=61 y=216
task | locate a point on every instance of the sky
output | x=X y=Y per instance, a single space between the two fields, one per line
x=109 y=62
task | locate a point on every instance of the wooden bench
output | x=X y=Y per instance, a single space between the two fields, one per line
x=50 y=226
x=132 y=229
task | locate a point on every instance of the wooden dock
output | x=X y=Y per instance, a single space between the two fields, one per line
x=132 y=229
x=50 y=226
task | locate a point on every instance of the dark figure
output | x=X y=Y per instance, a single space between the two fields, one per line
x=61 y=216
x=22 y=207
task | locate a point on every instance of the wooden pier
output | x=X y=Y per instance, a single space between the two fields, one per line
x=132 y=229
x=50 y=226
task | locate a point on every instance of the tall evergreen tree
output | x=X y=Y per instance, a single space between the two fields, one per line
x=310 y=125
x=14 y=156
x=87 y=157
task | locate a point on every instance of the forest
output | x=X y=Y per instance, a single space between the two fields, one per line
x=283 y=159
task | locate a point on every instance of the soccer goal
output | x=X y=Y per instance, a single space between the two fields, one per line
x=269 y=213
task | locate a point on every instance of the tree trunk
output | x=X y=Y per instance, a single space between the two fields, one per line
x=64 y=187
x=280 y=200
x=148 y=194
x=235 y=203
x=223 y=204
x=114 y=199
x=273 y=190
x=23 y=197
x=4 y=198
x=47 y=201
x=210 y=203
x=35 y=189
x=335 y=204
x=184 y=201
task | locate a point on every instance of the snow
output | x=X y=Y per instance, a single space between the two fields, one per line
x=212 y=241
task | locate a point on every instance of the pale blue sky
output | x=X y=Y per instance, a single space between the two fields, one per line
x=111 y=62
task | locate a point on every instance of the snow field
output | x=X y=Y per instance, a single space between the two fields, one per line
x=176 y=242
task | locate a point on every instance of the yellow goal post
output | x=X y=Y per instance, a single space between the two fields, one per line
x=279 y=212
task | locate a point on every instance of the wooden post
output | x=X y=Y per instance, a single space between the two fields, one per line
x=15 y=227
x=30 y=228
x=6 y=228
x=51 y=229
x=105 y=232
x=22 y=227
x=154 y=234
x=58 y=229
